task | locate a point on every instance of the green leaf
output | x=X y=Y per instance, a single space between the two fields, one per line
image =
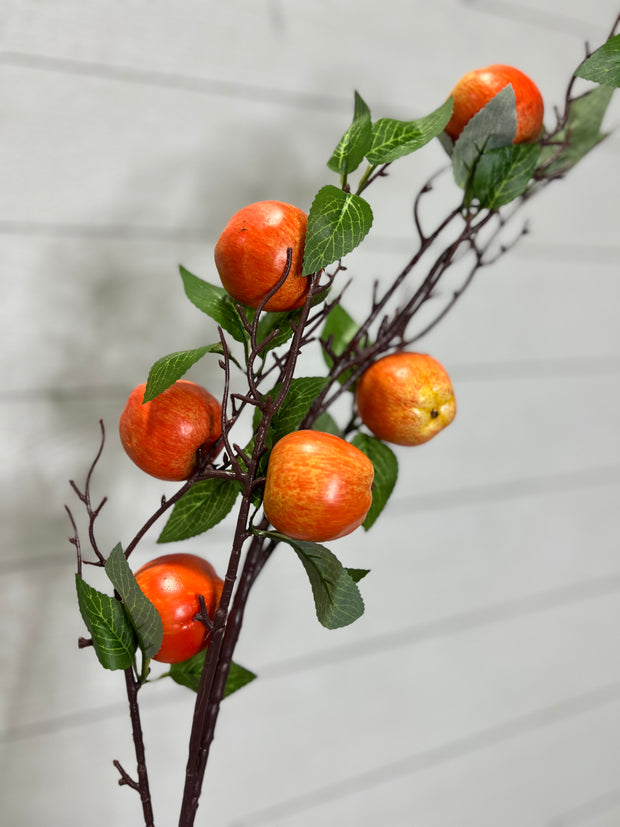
x=353 y=145
x=143 y=616
x=495 y=125
x=302 y=393
x=357 y=574
x=215 y=302
x=338 y=330
x=603 y=66
x=337 y=223
x=581 y=133
x=189 y=671
x=337 y=598
x=202 y=507
x=325 y=422
x=238 y=677
x=501 y=175
x=386 y=473
x=168 y=369
x=112 y=633
x=392 y=139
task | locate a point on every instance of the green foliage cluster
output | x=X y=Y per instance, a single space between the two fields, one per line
x=118 y=627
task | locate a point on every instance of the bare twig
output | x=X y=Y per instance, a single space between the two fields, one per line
x=93 y=513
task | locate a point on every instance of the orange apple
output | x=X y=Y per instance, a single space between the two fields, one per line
x=405 y=398
x=475 y=89
x=173 y=584
x=318 y=486
x=251 y=255
x=163 y=435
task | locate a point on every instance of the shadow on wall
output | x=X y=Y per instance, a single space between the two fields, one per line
x=98 y=305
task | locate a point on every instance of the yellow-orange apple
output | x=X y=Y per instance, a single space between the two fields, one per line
x=405 y=398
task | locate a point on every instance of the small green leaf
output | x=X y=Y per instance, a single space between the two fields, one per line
x=325 y=422
x=215 y=302
x=189 y=671
x=337 y=598
x=238 y=677
x=581 y=133
x=168 y=369
x=603 y=65
x=386 y=473
x=338 y=330
x=337 y=223
x=112 y=633
x=354 y=144
x=493 y=126
x=393 y=139
x=501 y=175
x=357 y=574
x=143 y=616
x=302 y=393
x=202 y=507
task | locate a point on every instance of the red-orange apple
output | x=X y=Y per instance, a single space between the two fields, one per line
x=163 y=435
x=405 y=398
x=475 y=89
x=251 y=255
x=318 y=486
x=173 y=584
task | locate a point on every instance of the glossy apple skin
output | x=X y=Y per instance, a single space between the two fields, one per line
x=251 y=255
x=405 y=398
x=172 y=583
x=162 y=436
x=318 y=486
x=475 y=89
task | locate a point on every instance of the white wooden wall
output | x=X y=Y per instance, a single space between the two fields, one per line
x=482 y=686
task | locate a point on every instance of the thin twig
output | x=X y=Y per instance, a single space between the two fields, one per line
x=93 y=513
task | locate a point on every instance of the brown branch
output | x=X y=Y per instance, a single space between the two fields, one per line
x=216 y=666
x=125 y=778
x=142 y=784
x=93 y=513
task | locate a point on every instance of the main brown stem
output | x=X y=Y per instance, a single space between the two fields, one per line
x=227 y=625
x=142 y=785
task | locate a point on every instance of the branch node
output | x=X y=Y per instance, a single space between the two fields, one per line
x=203 y=615
x=125 y=779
